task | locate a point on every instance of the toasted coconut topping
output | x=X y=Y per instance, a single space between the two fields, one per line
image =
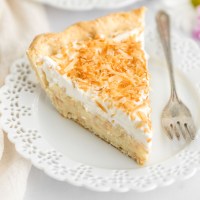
x=149 y=140
x=101 y=107
x=114 y=71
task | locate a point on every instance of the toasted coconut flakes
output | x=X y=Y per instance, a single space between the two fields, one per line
x=115 y=71
x=148 y=140
x=70 y=66
x=100 y=106
x=140 y=124
x=124 y=54
x=146 y=130
x=142 y=116
x=132 y=117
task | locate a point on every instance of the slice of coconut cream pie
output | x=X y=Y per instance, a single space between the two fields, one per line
x=96 y=73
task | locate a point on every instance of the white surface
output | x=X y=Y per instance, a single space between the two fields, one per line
x=87 y=4
x=41 y=187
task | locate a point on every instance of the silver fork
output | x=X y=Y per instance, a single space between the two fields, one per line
x=176 y=119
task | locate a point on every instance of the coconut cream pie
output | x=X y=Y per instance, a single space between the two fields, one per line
x=95 y=73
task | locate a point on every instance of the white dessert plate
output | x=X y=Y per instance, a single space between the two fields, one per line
x=67 y=152
x=88 y=4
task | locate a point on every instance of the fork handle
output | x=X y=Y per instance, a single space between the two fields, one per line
x=163 y=25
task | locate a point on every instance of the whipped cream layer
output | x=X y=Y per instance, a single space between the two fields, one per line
x=89 y=99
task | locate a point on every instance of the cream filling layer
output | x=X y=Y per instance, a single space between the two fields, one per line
x=88 y=100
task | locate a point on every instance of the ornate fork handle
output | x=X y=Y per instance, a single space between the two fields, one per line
x=163 y=24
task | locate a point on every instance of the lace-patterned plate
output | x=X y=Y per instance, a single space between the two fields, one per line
x=88 y=4
x=67 y=152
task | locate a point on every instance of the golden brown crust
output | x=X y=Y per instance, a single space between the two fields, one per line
x=110 y=25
